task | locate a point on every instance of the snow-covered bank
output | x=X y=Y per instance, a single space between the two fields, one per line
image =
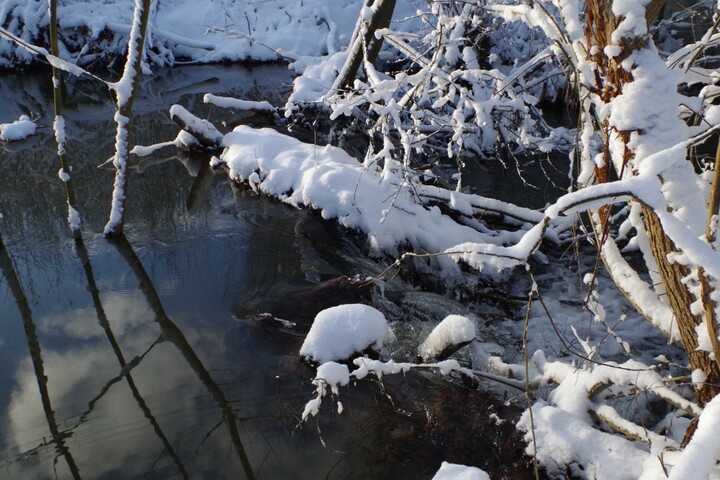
x=199 y=31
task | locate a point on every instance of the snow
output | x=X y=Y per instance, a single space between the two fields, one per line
x=124 y=87
x=452 y=330
x=195 y=124
x=697 y=461
x=698 y=377
x=17 y=130
x=74 y=219
x=206 y=30
x=60 y=138
x=228 y=102
x=328 y=374
x=332 y=374
x=452 y=471
x=612 y=51
x=378 y=202
x=339 y=332
x=563 y=438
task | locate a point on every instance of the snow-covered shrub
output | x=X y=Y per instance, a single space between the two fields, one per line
x=465 y=84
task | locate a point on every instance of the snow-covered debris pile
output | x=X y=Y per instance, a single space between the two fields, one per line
x=17 y=130
x=339 y=332
x=452 y=333
x=453 y=471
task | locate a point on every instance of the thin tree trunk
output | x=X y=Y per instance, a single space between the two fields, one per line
x=126 y=90
x=59 y=126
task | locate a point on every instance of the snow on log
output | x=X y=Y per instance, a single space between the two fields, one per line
x=339 y=332
x=236 y=103
x=17 y=130
x=453 y=333
x=376 y=203
x=203 y=130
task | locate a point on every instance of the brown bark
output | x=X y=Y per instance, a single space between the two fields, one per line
x=610 y=78
x=381 y=19
x=680 y=299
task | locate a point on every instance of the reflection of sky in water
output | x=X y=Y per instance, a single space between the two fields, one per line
x=200 y=263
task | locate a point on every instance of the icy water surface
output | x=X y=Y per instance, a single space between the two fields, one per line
x=142 y=357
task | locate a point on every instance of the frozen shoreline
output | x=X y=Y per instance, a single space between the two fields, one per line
x=184 y=31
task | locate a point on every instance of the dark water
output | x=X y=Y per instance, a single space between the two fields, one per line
x=141 y=357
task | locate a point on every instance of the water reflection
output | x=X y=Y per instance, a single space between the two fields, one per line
x=58 y=437
x=86 y=377
x=142 y=357
x=172 y=334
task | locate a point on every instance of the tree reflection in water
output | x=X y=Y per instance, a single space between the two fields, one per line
x=33 y=219
x=58 y=436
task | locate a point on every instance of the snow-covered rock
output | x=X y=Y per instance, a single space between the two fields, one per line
x=339 y=332
x=17 y=130
x=453 y=471
x=453 y=331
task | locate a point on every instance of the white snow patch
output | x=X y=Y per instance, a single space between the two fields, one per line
x=698 y=459
x=60 y=138
x=203 y=127
x=453 y=330
x=494 y=417
x=453 y=471
x=612 y=51
x=338 y=186
x=236 y=103
x=74 y=219
x=698 y=377
x=17 y=130
x=328 y=374
x=339 y=332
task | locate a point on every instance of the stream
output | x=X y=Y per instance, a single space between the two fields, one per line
x=145 y=357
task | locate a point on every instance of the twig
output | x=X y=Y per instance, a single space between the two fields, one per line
x=528 y=395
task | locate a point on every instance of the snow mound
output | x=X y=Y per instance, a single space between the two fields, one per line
x=453 y=330
x=17 y=130
x=339 y=332
x=452 y=471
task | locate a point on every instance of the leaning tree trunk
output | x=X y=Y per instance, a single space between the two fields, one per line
x=364 y=40
x=612 y=76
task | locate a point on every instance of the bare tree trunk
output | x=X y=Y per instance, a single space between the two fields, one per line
x=125 y=99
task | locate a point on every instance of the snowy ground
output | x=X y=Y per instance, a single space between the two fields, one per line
x=194 y=31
